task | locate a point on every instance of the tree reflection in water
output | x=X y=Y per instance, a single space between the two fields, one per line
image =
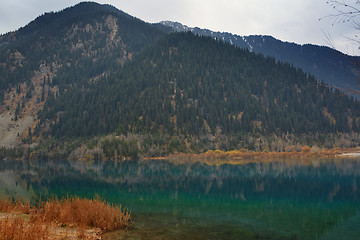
x=263 y=200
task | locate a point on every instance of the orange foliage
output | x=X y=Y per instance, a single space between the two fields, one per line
x=84 y=212
x=17 y=228
x=243 y=155
x=33 y=222
x=306 y=149
x=18 y=207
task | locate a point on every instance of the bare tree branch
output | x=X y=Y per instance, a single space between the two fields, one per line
x=346 y=11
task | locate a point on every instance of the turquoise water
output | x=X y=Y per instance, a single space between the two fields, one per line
x=273 y=200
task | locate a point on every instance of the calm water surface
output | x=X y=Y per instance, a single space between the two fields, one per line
x=273 y=200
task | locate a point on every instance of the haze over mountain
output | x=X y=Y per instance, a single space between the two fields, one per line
x=92 y=70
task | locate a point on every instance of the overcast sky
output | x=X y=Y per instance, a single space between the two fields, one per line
x=288 y=20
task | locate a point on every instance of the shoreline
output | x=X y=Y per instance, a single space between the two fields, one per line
x=243 y=156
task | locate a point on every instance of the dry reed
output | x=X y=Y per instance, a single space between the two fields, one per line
x=18 y=228
x=18 y=206
x=84 y=212
x=33 y=222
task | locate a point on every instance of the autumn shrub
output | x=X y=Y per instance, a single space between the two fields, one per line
x=18 y=228
x=84 y=212
x=24 y=222
x=18 y=206
x=306 y=149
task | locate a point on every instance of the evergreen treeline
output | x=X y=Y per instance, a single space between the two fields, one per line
x=185 y=84
x=334 y=68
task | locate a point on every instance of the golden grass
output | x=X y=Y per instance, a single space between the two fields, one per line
x=18 y=207
x=83 y=212
x=243 y=156
x=38 y=222
x=18 y=228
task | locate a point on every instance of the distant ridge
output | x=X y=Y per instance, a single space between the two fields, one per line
x=328 y=65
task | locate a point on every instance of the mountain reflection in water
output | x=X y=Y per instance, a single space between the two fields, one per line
x=258 y=200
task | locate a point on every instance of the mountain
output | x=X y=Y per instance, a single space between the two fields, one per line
x=74 y=46
x=76 y=76
x=82 y=36
x=183 y=81
x=327 y=65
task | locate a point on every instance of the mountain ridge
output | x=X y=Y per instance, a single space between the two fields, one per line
x=327 y=65
x=81 y=8
x=103 y=73
x=30 y=61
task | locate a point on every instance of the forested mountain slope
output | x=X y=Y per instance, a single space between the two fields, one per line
x=92 y=71
x=185 y=84
x=62 y=50
x=327 y=65
x=78 y=43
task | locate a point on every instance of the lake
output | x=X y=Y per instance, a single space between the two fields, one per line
x=279 y=199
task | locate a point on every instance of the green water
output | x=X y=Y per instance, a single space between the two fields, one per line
x=276 y=200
